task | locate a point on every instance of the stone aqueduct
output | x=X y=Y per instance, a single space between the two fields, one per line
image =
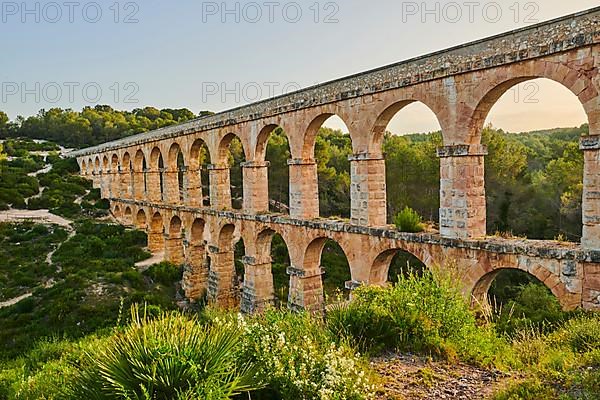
x=142 y=178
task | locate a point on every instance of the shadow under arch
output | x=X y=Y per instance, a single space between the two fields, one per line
x=199 y=160
x=156 y=238
x=567 y=300
x=390 y=264
x=128 y=216
x=231 y=154
x=326 y=260
x=140 y=219
x=273 y=149
x=272 y=249
x=176 y=164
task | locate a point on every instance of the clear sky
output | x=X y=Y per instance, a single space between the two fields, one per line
x=218 y=55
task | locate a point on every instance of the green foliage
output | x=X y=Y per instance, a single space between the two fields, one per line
x=534 y=182
x=93 y=125
x=408 y=220
x=416 y=314
x=92 y=272
x=533 y=305
x=295 y=355
x=278 y=153
x=164 y=273
x=23 y=251
x=562 y=364
x=412 y=174
x=332 y=149
x=172 y=357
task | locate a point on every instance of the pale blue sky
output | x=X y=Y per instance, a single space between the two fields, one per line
x=178 y=56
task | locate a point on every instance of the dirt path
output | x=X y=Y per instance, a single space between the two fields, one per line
x=40 y=216
x=409 y=377
x=14 y=301
x=155 y=259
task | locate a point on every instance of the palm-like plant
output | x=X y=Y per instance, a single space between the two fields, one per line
x=173 y=357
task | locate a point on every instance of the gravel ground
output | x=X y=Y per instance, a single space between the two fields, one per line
x=409 y=377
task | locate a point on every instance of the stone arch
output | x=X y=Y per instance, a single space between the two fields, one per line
x=174 y=180
x=381 y=265
x=83 y=167
x=128 y=216
x=126 y=164
x=174 y=251
x=396 y=196
x=226 y=237
x=156 y=158
x=311 y=132
x=117 y=212
x=199 y=159
x=306 y=285
x=262 y=140
x=267 y=178
x=195 y=272
x=222 y=155
x=155 y=184
x=305 y=169
x=263 y=242
x=558 y=288
x=385 y=117
x=156 y=239
x=97 y=165
x=114 y=163
x=173 y=154
x=139 y=163
x=139 y=179
x=115 y=181
x=140 y=219
x=558 y=72
x=225 y=290
x=105 y=164
x=197 y=231
x=175 y=226
x=230 y=181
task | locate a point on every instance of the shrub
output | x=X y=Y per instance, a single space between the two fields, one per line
x=416 y=314
x=299 y=361
x=164 y=273
x=408 y=220
x=172 y=357
x=534 y=305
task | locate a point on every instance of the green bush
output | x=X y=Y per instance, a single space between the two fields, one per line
x=563 y=364
x=165 y=273
x=172 y=357
x=534 y=305
x=296 y=356
x=408 y=220
x=417 y=314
